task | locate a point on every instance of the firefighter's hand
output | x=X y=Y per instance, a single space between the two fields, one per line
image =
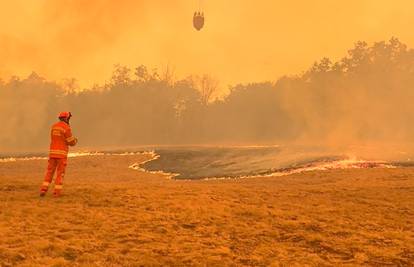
x=74 y=142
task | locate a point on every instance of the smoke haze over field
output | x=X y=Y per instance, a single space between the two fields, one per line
x=349 y=99
x=361 y=103
x=243 y=41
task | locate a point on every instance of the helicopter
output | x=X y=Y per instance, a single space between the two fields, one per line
x=198 y=18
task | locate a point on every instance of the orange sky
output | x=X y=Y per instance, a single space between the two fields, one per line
x=243 y=40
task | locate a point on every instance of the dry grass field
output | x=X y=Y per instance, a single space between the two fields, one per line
x=114 y=216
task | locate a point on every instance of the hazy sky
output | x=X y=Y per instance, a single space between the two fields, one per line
x=242 y=40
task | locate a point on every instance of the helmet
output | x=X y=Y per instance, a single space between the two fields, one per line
x=65 y=115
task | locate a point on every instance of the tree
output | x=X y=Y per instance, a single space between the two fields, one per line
x=207 y=86
x=121 y=75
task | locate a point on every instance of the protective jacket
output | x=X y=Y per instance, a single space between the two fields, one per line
x=61 y=137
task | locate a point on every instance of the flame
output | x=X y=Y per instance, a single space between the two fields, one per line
x=75 y=155
x=154 y=156
x=349 y=163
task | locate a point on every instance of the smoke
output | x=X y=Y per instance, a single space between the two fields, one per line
x=362 y=100
x=358 y=105
x=243 y=41
x=77 y=38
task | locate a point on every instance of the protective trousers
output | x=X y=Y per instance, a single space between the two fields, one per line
x=58 y=165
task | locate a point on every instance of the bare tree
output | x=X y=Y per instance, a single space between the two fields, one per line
x=207 y=86
x=168 y=75
x=70 y=85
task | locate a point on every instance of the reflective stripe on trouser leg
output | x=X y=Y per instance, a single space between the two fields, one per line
x=51 y=167
x=61 y=167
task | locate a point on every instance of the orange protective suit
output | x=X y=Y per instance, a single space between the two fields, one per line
x=61 y=138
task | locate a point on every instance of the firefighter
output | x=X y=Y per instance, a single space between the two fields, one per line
x=61 y=137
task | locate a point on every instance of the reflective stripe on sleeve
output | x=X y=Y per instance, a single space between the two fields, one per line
x=45 y=184
x=58 y=152
x=58 y=186
x=70 y=139
x=58 y=128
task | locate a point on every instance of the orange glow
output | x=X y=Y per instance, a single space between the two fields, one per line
x=242 y=40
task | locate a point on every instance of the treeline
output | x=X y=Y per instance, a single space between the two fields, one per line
x=365 y=96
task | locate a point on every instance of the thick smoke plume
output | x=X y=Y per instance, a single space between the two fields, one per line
x=361 y=100
x=243 y=41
